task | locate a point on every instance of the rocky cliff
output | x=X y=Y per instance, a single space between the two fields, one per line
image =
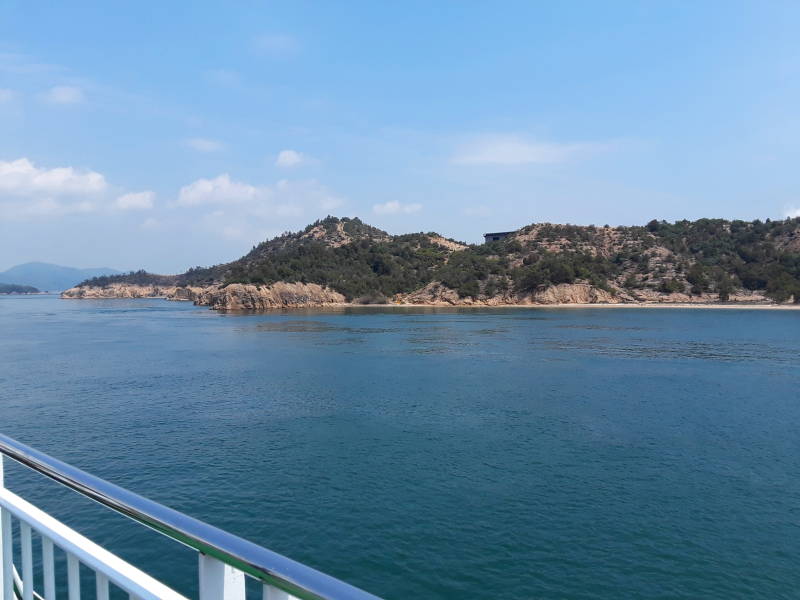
x=232 y=297
x=239 y=296
x=123 y=290
x=249 y=297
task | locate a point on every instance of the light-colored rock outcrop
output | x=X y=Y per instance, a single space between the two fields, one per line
x=573 y=293
x=448 y=244
x=237 y=296
x=121 y=290
x=647 y=295
x=433 y=293
x=188 y=293
x=251 y=297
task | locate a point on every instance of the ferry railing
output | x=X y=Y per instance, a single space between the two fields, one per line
x=224 y=559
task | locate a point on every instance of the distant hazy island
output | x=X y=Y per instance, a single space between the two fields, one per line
x=12 y=288
x=343 y=260
x=50 y=277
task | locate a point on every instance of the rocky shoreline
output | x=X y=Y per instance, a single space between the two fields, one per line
x=249 y=297
x=235 y=296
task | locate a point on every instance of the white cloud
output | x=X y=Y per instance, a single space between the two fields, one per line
x=244 y=211
x=6 y=95
x=220 y=190
x=205 y=145
x=514 y=150
x=276 y=44
x=22 y=177
x=29 y=191
x=792 y=212
x=396 y=208
x=135 y=201
x=292 y=158
x=63 y=94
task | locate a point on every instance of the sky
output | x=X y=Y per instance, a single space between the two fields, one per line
x=164 y=135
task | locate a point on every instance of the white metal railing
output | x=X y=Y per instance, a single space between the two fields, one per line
x=224 y=559
x=108 y=568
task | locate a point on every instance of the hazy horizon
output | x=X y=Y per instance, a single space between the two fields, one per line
x=196 y=134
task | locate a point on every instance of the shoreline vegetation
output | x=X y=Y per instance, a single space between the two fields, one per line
x=345 y=262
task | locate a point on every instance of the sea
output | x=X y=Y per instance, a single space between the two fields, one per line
x=428 y=453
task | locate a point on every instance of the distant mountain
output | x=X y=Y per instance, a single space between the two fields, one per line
x=51 y=278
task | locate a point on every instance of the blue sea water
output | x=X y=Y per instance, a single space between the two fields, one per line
x=430 y=453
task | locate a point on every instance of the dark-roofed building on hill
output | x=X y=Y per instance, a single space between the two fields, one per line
x=497 y=236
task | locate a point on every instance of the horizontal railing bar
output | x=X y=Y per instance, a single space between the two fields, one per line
x=270 y=567
x=80 y=548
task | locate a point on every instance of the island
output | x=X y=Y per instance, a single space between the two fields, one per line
x=345 y=261
x=13 y=288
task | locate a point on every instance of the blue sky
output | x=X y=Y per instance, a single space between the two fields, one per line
x=165 y=135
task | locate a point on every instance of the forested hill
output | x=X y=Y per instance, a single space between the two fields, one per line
x=701 y=258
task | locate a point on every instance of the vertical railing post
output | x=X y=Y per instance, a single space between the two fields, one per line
x=6 y=550
x=272 y=593
x=7 y=554
x=48 y=569
x=2 y=545
x=219 y=581
x=2 y=562
x=101 y=585
x=73 y=577
x=25 y=540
